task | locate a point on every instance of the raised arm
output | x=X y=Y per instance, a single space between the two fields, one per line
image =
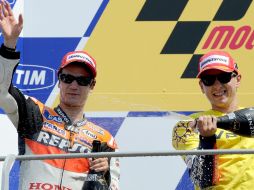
x=9 y=59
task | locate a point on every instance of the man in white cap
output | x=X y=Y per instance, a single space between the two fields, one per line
x=219 y=79
x=61 y=130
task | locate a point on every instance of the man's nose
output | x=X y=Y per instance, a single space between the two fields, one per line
x=74 y=84
x=217 y=82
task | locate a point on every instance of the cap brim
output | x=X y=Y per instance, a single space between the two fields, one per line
x=220 y=68
x=81 y=63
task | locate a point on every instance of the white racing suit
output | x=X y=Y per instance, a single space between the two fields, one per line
x=43 y=130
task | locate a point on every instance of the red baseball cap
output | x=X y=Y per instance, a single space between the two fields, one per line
x=79 y=57
x=218 y=60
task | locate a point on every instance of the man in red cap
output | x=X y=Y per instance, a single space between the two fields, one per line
x=219 y=79
x=61 y=130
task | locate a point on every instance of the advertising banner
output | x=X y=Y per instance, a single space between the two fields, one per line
x=147 y=56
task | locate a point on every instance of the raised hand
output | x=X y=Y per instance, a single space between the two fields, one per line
x=11 y=29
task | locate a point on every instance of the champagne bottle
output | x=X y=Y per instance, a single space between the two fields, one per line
x=240 y=122
x=95 y=180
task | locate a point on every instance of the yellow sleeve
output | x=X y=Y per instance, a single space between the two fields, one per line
x=183 y=137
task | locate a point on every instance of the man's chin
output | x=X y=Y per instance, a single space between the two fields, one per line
x=73 y=104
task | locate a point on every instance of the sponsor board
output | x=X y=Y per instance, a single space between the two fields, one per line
x=146 y=62
x=148 y=58
x=33 y=77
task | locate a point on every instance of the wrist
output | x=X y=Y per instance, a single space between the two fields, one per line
x=10 y=44
x=8 y=48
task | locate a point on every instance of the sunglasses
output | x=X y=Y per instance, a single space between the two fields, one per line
x=82 y=81
x=223 y=78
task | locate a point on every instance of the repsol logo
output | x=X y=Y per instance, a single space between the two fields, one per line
x=61 y=143
x=33 y=77
x=187 y=34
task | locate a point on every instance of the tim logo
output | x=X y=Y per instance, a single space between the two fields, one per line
x=186 y=35
x=33 y=77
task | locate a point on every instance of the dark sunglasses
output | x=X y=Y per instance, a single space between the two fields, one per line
x=223 y=78
x=82 y=81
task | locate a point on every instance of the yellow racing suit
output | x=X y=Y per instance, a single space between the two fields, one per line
x=215 y=171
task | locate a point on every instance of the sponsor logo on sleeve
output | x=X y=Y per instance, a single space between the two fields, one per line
x=96 y=129
x=50 y=117
x=89 y=134
x=54 y=128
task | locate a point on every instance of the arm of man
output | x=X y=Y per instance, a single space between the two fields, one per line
x=201 y=167
x=9 y=59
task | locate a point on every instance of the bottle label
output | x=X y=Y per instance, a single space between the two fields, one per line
x=92 y=177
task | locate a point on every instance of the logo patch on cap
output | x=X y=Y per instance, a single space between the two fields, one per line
x=80 y=57
x=214 y=59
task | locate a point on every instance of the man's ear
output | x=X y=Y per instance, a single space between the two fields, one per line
x=92 y=84
x=201 y=86
x=238 y=80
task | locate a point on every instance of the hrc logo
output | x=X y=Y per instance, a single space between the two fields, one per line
x=187 y=35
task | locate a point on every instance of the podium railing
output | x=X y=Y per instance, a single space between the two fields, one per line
x=10 y=159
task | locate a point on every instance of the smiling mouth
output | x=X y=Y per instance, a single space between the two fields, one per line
x=72 y=94
x=218 y=94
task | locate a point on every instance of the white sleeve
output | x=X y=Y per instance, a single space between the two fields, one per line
x=7 y=102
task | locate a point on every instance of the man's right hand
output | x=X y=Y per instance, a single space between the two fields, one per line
x=207 y=125
x=11 y=29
